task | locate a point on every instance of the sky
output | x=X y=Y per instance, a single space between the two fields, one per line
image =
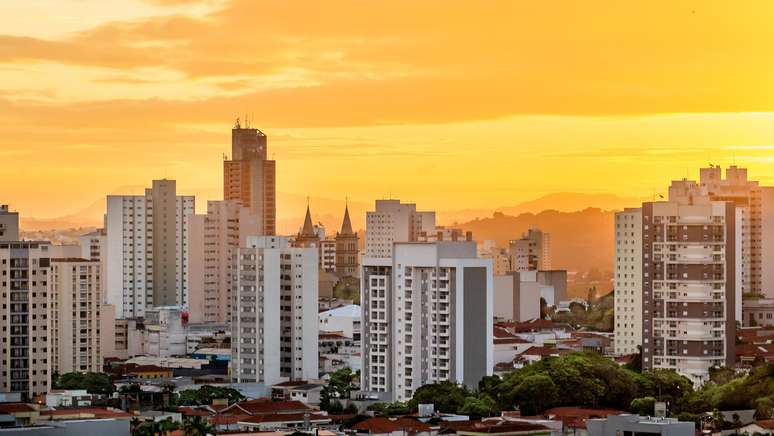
x=453 y=105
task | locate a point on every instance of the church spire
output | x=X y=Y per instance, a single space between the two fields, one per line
x=346 y=225
x=308 y=229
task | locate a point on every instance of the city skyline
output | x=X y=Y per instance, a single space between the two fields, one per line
x=106 y=97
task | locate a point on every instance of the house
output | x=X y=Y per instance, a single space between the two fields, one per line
x=494 y=426
x=764 y=427
x=265 y=406
x=574 y=419
x=308 y=394
x=393 y=427
x=615 y=425
x=283 y=421
x=281 y=391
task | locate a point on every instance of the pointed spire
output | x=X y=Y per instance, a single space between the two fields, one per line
x=346 y=225
x=308 y=229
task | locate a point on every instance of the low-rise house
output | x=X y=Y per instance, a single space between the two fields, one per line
x=574 y=419
x=68 y=398
x=393 y=427
x=308 y=394
x=625 y=425
x=495 y=426
x=284 y=421
x=763 y=427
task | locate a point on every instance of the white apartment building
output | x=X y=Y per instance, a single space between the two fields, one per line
x=627 y=266
x=393 y=221
x=147 y=250
x=427 y=317
x=531 y=252
x=82 y=326
x=274 y=327
x=24 y=273
x=212 y=238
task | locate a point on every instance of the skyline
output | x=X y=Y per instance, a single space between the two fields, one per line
x=358 y=105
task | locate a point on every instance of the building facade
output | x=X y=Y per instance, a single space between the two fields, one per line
x=212 y=238
x=627 y=266
x=147 y=250
x=24 y=275
x=9 y=224
x=249 y=178
x=427 y=317
x=82 y=326
x=274 y=328
x=392 y=222
x=531 y=252
x=688 y=286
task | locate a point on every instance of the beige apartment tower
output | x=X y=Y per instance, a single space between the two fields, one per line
x=82 y=327
x=25 y=366
x=531 y=252
x=628 y=281
x=688 y=286
x=249 y=178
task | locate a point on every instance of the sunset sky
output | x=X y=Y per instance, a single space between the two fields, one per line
x=450 y=104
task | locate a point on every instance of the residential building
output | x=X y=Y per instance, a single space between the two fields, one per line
x=627 y=281
x=347 y=249
x=531 y=252
x=94 y=247
x=249 y=177
x=9 y=224
x=274 y=325
x=212 y=239
x=427 y=312
x=615 y=425
x=392 y=222
x=328 y=255
x=515 y=300
x=501 y=259
x=24 y=275
x=345 y=319
x=147 y=250
x=82 y=325
x=688 y=286
x=758 y=312
x=755 y=222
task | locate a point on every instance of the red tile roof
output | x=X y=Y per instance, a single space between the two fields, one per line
x=12 y=408
x=389 y=425
x=266 y=407
x=96 y=412
x=227 y=419
x=575 y=417
x=766 y=423
x=286 y=417
x=538 y=350
x=492 y=426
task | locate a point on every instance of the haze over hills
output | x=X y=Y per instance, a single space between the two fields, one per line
x=328 y=211
x=580 y=240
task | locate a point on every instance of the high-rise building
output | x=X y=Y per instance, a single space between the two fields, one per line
x=9 y=224
x=347 y=250
x=82 y=326
x=427 y=317
x=250 y=178
x=274 y=327
x=531 y=252
x=627 y=281
x=147 y=250
x=746 y=196
x=212 y=238
x=24 y=275
x=688 y=286
x=393 y=221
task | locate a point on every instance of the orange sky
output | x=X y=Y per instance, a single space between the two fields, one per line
x=451 y=104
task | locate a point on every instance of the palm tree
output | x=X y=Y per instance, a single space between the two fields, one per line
x=197 y=426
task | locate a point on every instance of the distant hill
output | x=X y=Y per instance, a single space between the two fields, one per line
x=580 y=241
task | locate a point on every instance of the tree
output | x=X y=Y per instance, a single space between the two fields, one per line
x=535 y=393
x=92 y=382
x=447 y=396
x=339 y=387
x=335 y=407
x=643 y=406
x=206 y=394
x=197 y=426
x=479 y=406
x=389 y=409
